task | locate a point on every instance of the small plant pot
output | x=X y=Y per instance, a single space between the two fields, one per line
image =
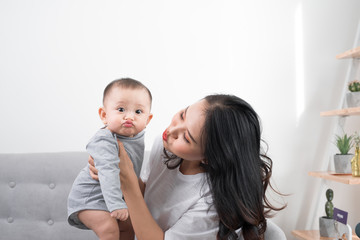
x=353 y=99
x=330 y=228
x=342 y=163
x=327 y=227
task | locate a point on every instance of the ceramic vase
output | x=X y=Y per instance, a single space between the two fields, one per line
x=332 y=229
x=353 y=99
x=327 y=227
x=355 y=163
x=342 y=163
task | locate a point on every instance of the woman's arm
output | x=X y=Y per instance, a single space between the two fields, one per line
x=144 y=225
x=142 y=186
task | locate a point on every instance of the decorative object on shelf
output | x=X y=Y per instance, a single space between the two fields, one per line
x=340 y=216
x=353 y=97
x=328 y=226
x=357 y=230
x=342 y=160
x=330 y=176
x=354 y=86
x=355 y=161
x=327 y=223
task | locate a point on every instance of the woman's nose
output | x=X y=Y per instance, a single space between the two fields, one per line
x=175 y=131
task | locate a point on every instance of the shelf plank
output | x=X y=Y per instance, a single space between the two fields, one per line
x=314 y=235
x=352 y=53
x=342 y=178
x=342 y=112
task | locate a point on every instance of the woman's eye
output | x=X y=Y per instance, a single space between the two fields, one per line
x=186 y=139
x=138 y=111
x=182 y=115
x=121 y=109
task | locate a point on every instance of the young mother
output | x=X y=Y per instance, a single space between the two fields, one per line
x=206 y=177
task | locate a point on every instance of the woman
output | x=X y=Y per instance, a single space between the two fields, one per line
x=205 y=179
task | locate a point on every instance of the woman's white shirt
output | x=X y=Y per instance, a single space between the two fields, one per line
x=180 y=204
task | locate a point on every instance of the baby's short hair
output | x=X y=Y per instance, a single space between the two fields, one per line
x=128 y=83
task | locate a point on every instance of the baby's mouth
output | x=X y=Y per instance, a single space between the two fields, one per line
x=128 y=124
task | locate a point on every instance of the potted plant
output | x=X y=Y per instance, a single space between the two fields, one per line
x=353 y=97
x=342 y=160
x=329 y=227
x=327 y=223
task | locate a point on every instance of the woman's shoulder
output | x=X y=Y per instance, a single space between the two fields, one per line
x=157 y=147
x=158 y=142
x=153 y=161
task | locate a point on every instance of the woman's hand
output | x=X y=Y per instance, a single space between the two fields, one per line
x=93 y=170
x=144 y=225
x=128 y=178
x=127 y=173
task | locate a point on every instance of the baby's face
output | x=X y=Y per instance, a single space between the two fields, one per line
x=126 y=111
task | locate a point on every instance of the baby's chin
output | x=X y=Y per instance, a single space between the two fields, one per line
x=127 y=133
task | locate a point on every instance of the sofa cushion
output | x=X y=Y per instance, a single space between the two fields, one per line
x=34 y=189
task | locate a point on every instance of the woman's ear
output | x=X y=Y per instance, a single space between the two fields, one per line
x=102 y=115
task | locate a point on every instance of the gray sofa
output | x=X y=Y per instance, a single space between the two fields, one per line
x=33 y=197
x=34 y=189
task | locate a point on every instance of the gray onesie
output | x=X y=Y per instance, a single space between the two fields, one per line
x=105 y=194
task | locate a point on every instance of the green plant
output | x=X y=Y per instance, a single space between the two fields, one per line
x=329 y=206
x=354 y=86
x=344 y=143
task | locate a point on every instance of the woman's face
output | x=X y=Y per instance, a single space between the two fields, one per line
x=183 y=136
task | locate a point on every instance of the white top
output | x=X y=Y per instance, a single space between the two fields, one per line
x=180 y=204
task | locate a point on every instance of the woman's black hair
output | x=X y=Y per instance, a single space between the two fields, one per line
x=237 y=169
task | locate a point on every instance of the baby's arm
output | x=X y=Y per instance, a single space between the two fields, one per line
x=105 y=153
x=121 y=214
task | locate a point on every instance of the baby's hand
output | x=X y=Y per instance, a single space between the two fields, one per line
x=121 y=214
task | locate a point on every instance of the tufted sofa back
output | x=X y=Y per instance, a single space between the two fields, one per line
x=33 y=195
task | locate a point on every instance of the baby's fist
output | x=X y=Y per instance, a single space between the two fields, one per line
x=120 y=214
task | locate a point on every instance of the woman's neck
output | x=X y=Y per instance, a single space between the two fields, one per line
x=191 y=167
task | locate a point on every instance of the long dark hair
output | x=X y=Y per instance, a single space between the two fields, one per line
x=238 y=171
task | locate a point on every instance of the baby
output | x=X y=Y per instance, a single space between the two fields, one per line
x=98 y=205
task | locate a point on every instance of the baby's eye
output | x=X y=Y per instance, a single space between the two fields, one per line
x=138 y=111
x=121 y=109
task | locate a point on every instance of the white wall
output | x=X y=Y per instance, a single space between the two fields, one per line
x=57 y=56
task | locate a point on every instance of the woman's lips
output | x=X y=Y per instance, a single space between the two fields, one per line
x=164 y=136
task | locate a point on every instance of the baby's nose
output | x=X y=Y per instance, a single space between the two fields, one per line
x=129 y=115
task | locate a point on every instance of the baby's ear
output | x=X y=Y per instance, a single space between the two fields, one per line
x=149 y=118
x=102 y=115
